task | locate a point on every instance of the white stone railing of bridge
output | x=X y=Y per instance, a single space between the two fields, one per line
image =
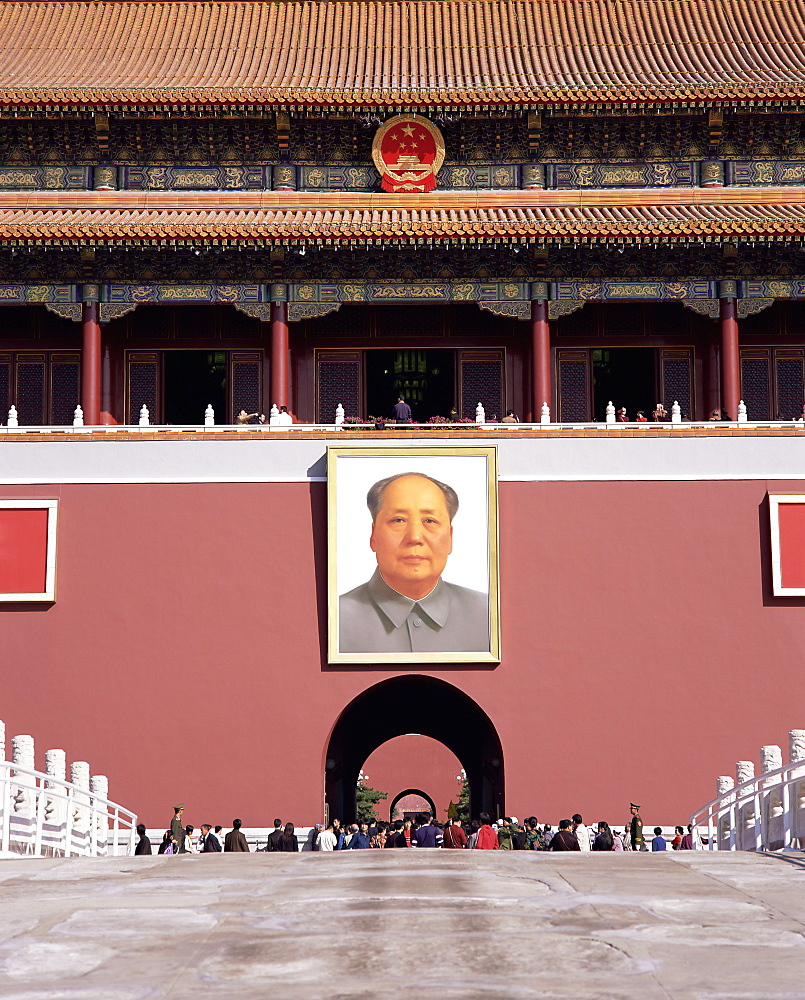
x=758 y=812
x=42 y=814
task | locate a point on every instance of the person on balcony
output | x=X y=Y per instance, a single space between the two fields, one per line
x=402 y=411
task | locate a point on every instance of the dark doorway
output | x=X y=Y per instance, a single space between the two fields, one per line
x=194 y=380
x=427 y=380
x=627 y=376
x=430 y=707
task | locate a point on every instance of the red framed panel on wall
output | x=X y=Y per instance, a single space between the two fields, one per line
x=28 y=550
x=788 y=544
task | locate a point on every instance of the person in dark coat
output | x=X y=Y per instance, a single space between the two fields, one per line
x=361 y=840
x=167 y=842
x=210 y=844
x=235 y=841
x=273 y=838
x=402 y=411
x=288 y=842
x=564 y=839
x=143 y=844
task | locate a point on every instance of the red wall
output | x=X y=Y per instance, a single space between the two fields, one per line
x=414 y=761
x=642 y=651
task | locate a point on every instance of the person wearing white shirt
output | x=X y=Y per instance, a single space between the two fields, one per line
x=327 y=839
x=582 y=833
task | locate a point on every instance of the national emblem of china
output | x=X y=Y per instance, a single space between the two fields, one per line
x=408 y=151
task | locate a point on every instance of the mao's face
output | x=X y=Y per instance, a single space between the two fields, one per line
x=412 y=536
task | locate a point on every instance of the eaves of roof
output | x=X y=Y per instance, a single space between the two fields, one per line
x=223 y=218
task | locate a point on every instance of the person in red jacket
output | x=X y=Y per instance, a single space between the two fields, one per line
x=487 y=838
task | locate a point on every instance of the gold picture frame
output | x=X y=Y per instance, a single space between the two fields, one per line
x=374 y=558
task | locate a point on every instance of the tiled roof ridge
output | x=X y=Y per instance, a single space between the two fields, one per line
x=392 y=53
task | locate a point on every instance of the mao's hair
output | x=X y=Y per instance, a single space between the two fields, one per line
x=374 y=498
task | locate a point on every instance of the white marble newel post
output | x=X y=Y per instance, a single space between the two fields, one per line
x=2 y=787
x=79 y=776
x=742 y=412
x=209 y=416
x=78 y=417
x=273 y=415
x=339 y=415
x=724 y=784
x=610 y=414
x=145 y=416
x=745 y=819
x=796 y=753
x=22 y=753
x=676 y=413
x=480 y=414
x=99 y=785
x=771 y=758
x=55 y=802
x=12 y=417
x=545 y=415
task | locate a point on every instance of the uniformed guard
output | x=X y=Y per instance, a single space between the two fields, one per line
x=636 y=829
x=177 y=830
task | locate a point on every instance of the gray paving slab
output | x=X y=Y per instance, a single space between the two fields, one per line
x=375 y=925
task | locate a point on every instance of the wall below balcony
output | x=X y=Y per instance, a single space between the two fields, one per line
x=643 y=651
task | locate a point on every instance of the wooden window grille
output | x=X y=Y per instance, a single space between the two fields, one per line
x=676 y=379
x=339 y=379
x=246 y=382
x=481 y=379
x=574 y=402
x=144 y=385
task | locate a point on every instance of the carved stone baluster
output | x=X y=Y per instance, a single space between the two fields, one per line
x=771 y=759
x=79 y=776
x=99 y=785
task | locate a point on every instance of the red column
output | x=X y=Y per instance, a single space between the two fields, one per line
x=91 y=363
x=280 y=360
x=730 y=366
x=540 y=357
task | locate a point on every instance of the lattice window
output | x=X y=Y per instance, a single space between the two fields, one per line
x=143 y=389
x=5 y=389
x=247 y=383
x=394 y=323
x=31 y=391
x=755 y=384
x=339 y=381
x=789 y=372
x=677 y=380
x=625 y=320
x=574 y=386
x=65 y=382
x=481 y=380
x=349 y=321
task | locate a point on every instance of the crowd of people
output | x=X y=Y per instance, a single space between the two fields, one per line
x=506 y=834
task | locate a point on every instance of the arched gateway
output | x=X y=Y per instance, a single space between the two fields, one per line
x=419 y=704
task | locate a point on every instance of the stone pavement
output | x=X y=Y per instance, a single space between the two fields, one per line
x=368 y=925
